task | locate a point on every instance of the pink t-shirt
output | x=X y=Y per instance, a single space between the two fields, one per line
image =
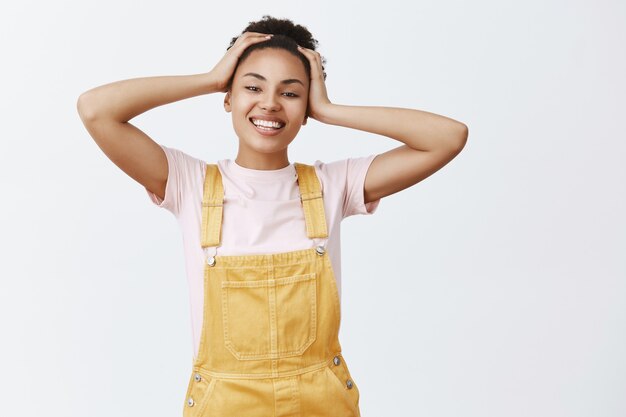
x=262 y=212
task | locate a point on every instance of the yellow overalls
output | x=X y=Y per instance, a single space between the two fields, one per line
x=270 y=334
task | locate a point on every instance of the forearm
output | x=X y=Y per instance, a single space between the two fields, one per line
x=125 y=99
x=418 y=129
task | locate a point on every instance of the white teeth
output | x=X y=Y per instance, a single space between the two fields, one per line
x=266 y=123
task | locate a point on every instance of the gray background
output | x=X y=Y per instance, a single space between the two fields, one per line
x=495 y=287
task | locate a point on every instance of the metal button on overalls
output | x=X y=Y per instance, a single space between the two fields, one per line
x=270 y=321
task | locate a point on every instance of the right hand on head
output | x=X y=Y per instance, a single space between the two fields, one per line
x=224 y=69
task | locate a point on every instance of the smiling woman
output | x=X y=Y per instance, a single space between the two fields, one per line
x=268 y=123
x=268 y=97
x=261 y=237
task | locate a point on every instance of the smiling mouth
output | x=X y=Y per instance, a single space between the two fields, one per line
x=268 y=126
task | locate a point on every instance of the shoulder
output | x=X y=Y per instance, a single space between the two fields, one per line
x=342 y=170
x=343 y=180
x=182 y=157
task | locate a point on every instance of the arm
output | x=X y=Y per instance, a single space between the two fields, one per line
x=430 y=140
x=106 y=110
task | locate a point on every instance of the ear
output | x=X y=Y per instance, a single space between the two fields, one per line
x=227 y=102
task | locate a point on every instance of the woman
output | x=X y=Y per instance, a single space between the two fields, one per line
x=261 y=234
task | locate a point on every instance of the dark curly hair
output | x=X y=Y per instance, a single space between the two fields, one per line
x=287 y=36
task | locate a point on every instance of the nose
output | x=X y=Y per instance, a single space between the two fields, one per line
x=269 y=102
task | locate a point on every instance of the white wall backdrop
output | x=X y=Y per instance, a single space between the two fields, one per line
x=495 y=287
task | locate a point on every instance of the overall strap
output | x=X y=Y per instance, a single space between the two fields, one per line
x=212 y=206
x=312 y=200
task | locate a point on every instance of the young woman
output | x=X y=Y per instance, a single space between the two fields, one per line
x=261 y=234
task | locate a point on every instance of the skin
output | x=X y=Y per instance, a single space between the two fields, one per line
x=429 y=141
x=250 y=96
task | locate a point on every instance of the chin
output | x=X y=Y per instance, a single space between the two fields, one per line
x=263 y=145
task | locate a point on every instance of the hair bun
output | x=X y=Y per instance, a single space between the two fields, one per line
x=285 y=27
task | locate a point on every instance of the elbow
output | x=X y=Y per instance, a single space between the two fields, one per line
x=84 y=108
x=460 y=139
x=464 y=133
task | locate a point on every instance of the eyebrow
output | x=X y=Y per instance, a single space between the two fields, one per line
x=288 y=81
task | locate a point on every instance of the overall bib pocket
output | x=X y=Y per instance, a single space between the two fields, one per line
x=198 y=394
x=270 y=318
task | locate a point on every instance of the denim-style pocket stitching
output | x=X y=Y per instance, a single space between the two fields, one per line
x=335 y=289
x=207 y=395
x=266 y=299
x=201 y=392
x=341 y=374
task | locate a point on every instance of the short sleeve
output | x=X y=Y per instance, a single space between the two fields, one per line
x=355 y=180
x=184 y=172
x=344 y=183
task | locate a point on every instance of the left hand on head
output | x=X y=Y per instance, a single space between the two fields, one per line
x=318 y=97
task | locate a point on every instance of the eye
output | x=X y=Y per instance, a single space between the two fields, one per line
x=255 y=89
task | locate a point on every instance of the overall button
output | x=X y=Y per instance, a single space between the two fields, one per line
x=190 y=402
x=198 y=377
x=210 y=261
x=336 y=360
x=320 y=249
x=349 y=384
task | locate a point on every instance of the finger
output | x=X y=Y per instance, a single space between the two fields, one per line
x=248 y=34
x=257 y=34
x=312 y=55
x=314 y=58
x=309 y=51
x=261 y=38
x=249 y=38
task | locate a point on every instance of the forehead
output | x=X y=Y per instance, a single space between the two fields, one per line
x=274 y=64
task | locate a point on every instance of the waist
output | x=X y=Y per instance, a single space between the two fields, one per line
x=264 y=375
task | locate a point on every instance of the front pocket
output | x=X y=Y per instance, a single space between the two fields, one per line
x=274 y=318
x=198 y=394
x=341 y=375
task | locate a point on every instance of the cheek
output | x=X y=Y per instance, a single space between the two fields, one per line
x=241 y=107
